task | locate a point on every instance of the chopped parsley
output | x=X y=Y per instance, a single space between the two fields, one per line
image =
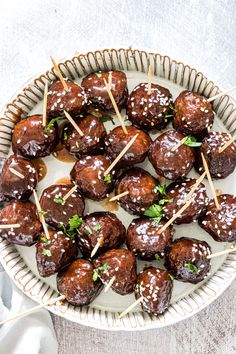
x=156 y=221
x=191 y=266
x=45 y=240
x=192 y=142
x=43 y=213
x=97 y=271
x=171 y=276
x=74 y=223
x=46 y=252
x=157 y=257
x=172 y=107
x=52 y=121
x=96 y=227
x=107 y=178
x=161 y=189
x=88 y=229
x=167 y=116
x=153 y=211
x=99 y=74
x=65 y=136
x=106 y=118
x=164 y=201
x=59 y=201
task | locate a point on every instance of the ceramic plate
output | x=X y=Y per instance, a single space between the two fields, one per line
x=19 y=262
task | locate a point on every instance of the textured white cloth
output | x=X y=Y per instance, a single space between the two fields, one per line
x=33 y=334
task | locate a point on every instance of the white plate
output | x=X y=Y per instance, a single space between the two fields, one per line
x=19 y=262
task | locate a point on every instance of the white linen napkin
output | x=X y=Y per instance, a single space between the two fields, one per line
x=33 y=334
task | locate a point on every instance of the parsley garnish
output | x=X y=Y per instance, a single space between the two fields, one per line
x=156 y=221
x=99 y=74
x=46 y=252
x=96 y=227
x=171 y=276
x=96 y=272
x=161 y=189
x=65 y=136
x=52 y=121
x=163 y=201
x=153 y=211
x=107 y=178
x=88 y=229
x=157 y=257
x=59 y=201
x=106 y=118
x=45 y=240
x=192 y=142
x=43 y=212
x=172 y=107
x=191 y=266
x=74 y=223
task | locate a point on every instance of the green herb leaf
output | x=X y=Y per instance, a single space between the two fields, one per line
x=192 y=142
x=171 y=276
x=59 y=201
x=96 y=227
x=168 y=116
x=69 y=234
x=156 y=221
x=172 y=107
x=75 y=222
x=157 y=257
x=106 y=118
x=52 y=121
x=65 y=136
x=45 y=240
x=46 y=252
x=99 y=74
x=161 y=189
x=191 y=266
x=107 y=178
x=104 y=267
x=163 y=201
x=96 y=272
x=43 y=212
x=154 y=211
x=88 y=229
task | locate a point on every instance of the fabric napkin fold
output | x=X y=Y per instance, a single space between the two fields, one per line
x=33 y=334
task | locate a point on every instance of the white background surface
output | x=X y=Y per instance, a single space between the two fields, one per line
x=200 y=33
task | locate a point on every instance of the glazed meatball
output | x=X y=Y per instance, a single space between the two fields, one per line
x=14 y=187
x=167 y=163
x=24 y=214
x=141 y=187
x=95 y=88
x=149 y=111
x=87 y=174
x=117 y=140
x=155 y=286
x=73 y=101
x=57 y=211
x=176 y=194
x=76 y=283
x=55 y=253
x=144 y=241
x=31 y=140
x=193 y=114
x=121 y=264
x=100 y=226
x=92 y=142
x=221 y=164
x=221 y=223
x=187 y=261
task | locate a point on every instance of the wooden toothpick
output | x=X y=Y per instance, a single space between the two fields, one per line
x=9 y=226
x=15 y=172
x=221 y=253
x=229 y=142
x=45 y=101
x=71 y=120
x=41 y=216
x=61 y=78
x=221 y=94
x=36 y=308
x=210 y=181
x=98 y=244
x=68 y=194
x=115 y=107
x=196 y=184
x=118 y=196
x=134 y=304
x=109 y=284
x=181 y=142
x=121 y=154
x=149 y=80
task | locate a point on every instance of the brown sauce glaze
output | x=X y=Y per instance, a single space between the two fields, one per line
x=62 y=154
x=63 y=180
x=40 y=167
x=110 y=206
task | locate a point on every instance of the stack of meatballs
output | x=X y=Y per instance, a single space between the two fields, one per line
x=80 y=278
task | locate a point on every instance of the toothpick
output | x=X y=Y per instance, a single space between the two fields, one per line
x=71 y=120
x=182 y=141
x=196 y=184
x=149 y=80
x=229 y=142
x=174 y=217
x=18 y=174
x=134 y=304
x=210 y=181
x=111 y=281
x=36 y=308
x=45 y=101
x=118 y=196
x=221 y=94
x=217 y=254
x=98 y=244
x=126 y=148
x=68 y=194
x=110 y=80
x=61 y=78
x=9 y=226
x=115 y=107
x=41 y=217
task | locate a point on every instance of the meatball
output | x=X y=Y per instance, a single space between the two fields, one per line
x=14 y=187
x=57 y=211
x=187 y=261
x=167 y=163
x=76 y=283
x=100 y=226
x=155 y=286
x=31 y=140
x=221 y=223
x=117 y=140
x=87 y=173
x=193 y=114
x=95 y=88
x=121 y=264
x=175 y=196
x=24 y=214
x=141 y=187
x=149 y=111
x=144 y=241
x=73 y=101
x=221 y=164
x=55 y=253
x=92 y=142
